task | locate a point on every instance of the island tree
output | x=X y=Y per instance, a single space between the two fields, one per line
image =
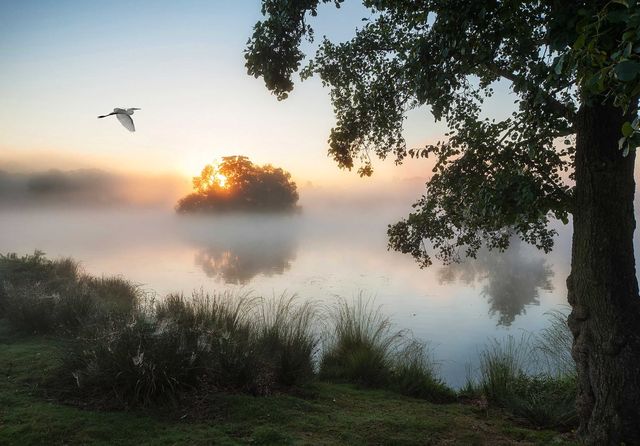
x=567 y=150
x=236 y=184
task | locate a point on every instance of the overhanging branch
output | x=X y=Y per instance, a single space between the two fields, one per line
x=556 y=106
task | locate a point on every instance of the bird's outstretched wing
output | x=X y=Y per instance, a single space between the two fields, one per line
x=126 y=121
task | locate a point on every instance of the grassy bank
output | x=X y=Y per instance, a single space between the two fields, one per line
x=94 y=360
x=325 y=414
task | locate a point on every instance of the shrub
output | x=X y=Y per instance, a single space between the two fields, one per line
x=34 y=270
x=219 y=324
x=41 y=295
x=137 y=362
x=210 y=342
x=29 y=308
x=545 y=401
x=114 y=295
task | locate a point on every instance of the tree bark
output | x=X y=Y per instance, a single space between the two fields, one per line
x=603 y=289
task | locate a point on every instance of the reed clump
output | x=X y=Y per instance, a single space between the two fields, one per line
x=39 y=295
x=533 y=376
x=363 y=347
x=204 y=342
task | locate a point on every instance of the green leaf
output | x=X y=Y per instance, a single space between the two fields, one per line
x=579 y=43
x=621 y=142
x=558 y=68
x=627 y=130
x=627 y=70
x=627 y=50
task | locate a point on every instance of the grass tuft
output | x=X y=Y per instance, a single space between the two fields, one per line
x=361 y=344
x=364 y=348
x=545 y=394
x=287 y=338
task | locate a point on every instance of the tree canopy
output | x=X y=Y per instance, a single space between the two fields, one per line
x=236 y=184
x=491 y=178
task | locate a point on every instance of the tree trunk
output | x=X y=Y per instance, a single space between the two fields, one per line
x=603 y=290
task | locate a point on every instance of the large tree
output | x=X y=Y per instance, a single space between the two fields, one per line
x=568 y=149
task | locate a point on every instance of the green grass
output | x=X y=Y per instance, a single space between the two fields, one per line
x=531 y=377
x=187 y=367
x=363 y=347
x=329 y=414
x=39 y=295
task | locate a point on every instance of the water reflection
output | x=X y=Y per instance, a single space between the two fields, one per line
x=238 y=263
x=235 y=250
x=512 y=280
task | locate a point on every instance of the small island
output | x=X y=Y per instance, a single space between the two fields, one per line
x=236 y=184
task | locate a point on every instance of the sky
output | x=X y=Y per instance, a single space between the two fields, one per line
x=65 y=62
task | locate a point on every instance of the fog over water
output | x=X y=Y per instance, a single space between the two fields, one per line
x=336 y=246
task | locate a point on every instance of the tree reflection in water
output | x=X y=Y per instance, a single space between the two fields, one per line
x=237 y=249
x=237 y=262
x=511 y=280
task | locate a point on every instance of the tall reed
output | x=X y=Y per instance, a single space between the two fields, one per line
x=363 y=347
x=288 y=338
x=534 y=376
x=360 y=343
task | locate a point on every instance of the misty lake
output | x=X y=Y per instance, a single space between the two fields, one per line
x=318 y=254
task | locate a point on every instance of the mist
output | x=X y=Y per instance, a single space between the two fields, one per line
x=336 y=245
x=92 y=188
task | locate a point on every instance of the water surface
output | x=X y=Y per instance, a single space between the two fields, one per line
x=319 y=254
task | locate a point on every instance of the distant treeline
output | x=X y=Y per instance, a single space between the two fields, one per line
x=85 y=187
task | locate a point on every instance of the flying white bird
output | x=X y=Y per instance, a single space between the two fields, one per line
x=124 y=116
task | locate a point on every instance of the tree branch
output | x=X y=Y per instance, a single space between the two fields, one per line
x=557 y=106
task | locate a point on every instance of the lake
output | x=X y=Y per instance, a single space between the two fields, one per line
x=321 y=253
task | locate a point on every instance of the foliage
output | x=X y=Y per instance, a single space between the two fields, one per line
x=492 y=178
x=238 y=184
x=41 y=295
x=606 y=58
x=34 y=270
x=502 y=365
x=204 y=342
x=545 y=401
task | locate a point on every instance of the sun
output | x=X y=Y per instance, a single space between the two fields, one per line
x=222 y=181
x=216 y=178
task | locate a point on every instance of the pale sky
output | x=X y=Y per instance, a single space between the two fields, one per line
x=65 y=62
